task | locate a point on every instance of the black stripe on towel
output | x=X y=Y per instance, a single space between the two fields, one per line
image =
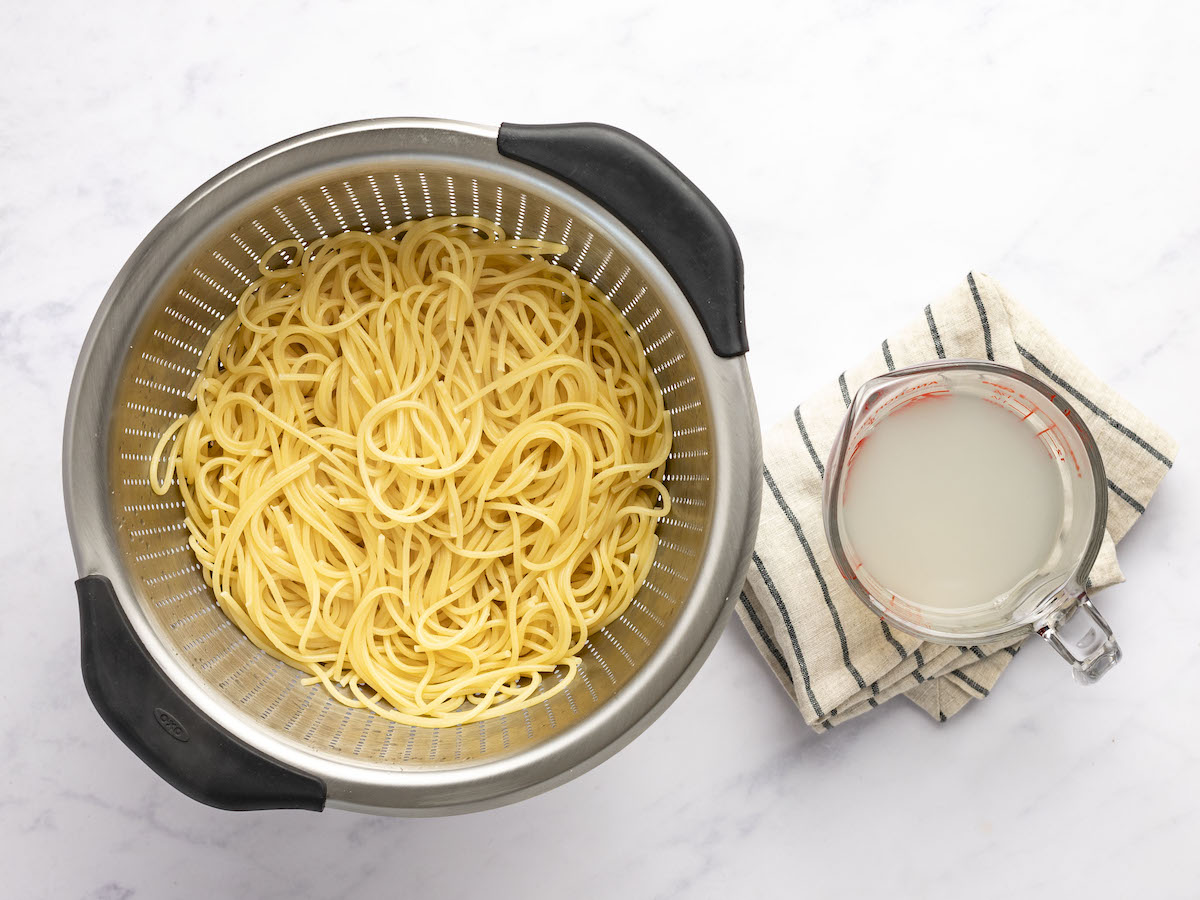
x=970 y=682
x=787 y=624
x=812 y=451
x=1124 y=496
x=987 y=329
x=1074 y=392
x=1011 y=651
x=887 y=356
x=933 y=332
x=812 y=561
x=845 y=389
x=978 y=652
x=941 y=716
x=766 y=638
x=887 y=633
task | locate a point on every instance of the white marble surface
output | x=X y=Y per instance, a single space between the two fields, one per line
x=867 y=153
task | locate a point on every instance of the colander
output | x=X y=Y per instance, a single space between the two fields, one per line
x=231 y=726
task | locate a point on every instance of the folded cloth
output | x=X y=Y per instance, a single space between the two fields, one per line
x=833 y=656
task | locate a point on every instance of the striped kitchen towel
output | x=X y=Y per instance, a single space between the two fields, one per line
x=832 y=655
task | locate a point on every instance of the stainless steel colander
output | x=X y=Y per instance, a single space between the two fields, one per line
x=228 y=724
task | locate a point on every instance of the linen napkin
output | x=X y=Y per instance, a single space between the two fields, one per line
x=832 y=655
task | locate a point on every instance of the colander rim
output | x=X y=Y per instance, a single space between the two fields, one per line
x=405 y=789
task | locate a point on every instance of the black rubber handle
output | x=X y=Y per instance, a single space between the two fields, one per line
x=658 y=203
x=165 y=729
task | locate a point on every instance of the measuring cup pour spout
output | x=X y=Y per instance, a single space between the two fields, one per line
x=1097 y=649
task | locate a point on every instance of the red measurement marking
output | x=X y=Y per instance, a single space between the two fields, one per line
x=854 y=452
x=901 y=400
x=922 y=398
x=1028 y=414
x=1044 y=430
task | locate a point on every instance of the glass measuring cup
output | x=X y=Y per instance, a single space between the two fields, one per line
x=1046 y=599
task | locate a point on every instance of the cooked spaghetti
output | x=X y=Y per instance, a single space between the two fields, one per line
x=425 y=464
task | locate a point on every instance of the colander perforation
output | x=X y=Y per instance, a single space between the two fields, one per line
x=383 y=213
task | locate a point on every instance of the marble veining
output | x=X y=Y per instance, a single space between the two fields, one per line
x=867 y=154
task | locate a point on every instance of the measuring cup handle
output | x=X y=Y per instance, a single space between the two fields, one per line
x=1098 y=650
